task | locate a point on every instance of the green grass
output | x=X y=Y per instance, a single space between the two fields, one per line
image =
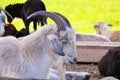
x=82 y=14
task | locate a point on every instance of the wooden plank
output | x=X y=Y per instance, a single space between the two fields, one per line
x=93 y=51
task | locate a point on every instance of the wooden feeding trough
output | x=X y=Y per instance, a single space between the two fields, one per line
x=93 y=51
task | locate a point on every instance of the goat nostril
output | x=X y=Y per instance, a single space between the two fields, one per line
x=75 y=59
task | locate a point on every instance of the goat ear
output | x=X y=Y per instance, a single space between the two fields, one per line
x=56 y=44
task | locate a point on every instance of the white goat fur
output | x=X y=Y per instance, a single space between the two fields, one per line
x=59 y=64
x=31 y=57
x=102 y=28
x=91 y=38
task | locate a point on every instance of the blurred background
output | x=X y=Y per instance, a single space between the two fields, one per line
x=82 y=14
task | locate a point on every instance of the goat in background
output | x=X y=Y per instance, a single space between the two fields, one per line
x=102 y=28
x=22 y=10
x=109 y=65
x=10 y=30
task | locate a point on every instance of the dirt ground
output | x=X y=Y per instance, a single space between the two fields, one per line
x=90 y=68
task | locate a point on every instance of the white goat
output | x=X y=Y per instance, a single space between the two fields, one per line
x=101 y=28
x=31 y=57
x=92 y=38
x=59 y=60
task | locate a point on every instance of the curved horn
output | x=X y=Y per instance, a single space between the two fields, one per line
x=65 y=19
x=58 y=20
x=6 y=12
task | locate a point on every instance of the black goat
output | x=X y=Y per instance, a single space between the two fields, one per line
x=109 y=65
x=11 y=30
x=22 y=10
x=21 y=33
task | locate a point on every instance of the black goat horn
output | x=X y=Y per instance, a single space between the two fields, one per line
x=6 y=12
x=58 y=20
